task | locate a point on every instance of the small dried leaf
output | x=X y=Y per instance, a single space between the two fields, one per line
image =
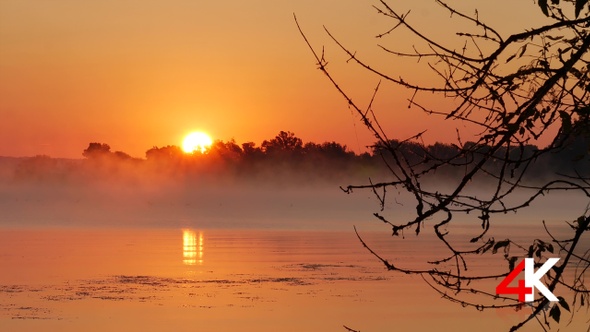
x=499 y=245
x=555 y=313
x=543 y=5
x=511 y=262
x=579 y=6
x=522 y=50
x=563 y=303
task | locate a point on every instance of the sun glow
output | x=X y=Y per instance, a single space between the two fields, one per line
x=196 y=141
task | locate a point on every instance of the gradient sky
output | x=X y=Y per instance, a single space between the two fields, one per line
x=137 y=74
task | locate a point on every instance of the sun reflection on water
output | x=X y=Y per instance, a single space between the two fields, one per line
x=192 y=247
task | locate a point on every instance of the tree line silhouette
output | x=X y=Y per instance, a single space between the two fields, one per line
x=287 y=157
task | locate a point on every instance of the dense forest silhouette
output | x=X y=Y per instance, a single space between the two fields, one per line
x=284 y=158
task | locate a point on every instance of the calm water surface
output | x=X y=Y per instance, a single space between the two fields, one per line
x=218 y=280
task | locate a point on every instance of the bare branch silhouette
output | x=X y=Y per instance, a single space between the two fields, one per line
x=515 y=90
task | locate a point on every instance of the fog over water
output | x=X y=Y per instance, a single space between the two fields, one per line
x=146 y=200
x=197 y=205
x=78 y=193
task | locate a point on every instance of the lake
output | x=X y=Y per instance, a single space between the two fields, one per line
x=254 y=258
x=67 y=279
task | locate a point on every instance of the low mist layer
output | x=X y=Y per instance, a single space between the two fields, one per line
x=281 y=184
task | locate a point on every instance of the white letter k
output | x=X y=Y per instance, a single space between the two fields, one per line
x=533 y=279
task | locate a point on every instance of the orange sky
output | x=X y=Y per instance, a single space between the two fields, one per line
x=137 y=74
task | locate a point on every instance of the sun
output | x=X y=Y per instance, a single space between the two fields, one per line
x=196 y=141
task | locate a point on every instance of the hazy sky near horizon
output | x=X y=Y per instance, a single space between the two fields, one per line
x=138 y=74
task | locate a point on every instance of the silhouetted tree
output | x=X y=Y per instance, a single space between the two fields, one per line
x=251 y=151
x=283 y=142
x=514 y=89
x=96 y=150
x=168 y=152
x=226 y=150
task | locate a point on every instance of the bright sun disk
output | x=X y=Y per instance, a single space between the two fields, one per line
x=196 y=141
